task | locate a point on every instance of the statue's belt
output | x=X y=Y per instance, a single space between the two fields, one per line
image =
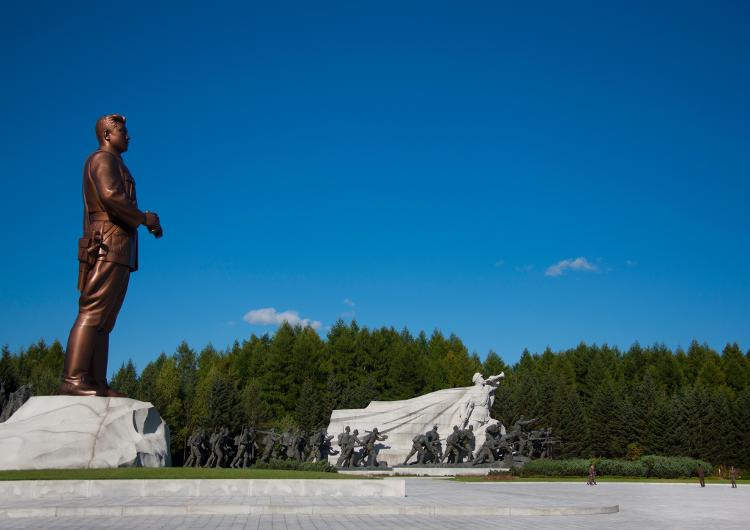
x=98 y=216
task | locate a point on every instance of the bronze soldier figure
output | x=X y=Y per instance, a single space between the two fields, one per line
x=468 y=444
x=418 y=448
x=108 y=253
x=434 y=447
x=269 y=442
x=197 y=445
x=452 y=447
x=369 y=451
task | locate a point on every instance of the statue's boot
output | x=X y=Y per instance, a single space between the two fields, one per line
x=99 y=367
x=77 y=377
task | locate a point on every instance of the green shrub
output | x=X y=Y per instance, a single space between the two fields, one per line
x=673 y=466
x=294 y=465
x=621 y=468
x=646 y=466
x=570 y=467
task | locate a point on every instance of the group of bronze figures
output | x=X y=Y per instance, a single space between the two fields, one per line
x=367 y=454
x=429 y=449
x=519 y=443
x=249 y=447
x=222 y=449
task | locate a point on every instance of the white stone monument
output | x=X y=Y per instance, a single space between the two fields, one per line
x=68 y=432
x=405 y=419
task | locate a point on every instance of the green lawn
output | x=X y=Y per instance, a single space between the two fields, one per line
x=164 y=473
x=510 y=478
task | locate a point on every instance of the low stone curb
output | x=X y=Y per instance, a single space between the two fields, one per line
x=329 y=488
x=407 y=471
x=435 y=510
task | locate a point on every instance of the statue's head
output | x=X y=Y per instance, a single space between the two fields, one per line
x=346 y=428
x=435 y=428
x=111 y=131
x=356 y=431
x=455 y=428
x=471 y=428
x=375 y=430
x=477 y=377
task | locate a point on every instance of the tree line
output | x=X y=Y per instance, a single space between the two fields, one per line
x=599 y=400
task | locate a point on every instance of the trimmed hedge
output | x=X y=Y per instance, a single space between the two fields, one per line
x=294 y=465
x=674 y=466
x=647 y=466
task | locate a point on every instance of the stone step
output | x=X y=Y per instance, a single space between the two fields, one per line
x=170 y=488
x=202 y=508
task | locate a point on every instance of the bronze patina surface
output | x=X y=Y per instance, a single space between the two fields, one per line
x=107 y=254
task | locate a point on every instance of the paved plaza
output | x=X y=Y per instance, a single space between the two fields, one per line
x=642 y=506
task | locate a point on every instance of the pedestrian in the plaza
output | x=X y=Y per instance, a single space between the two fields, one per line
x=701 y=476
x=592 y=475
x=733 y=476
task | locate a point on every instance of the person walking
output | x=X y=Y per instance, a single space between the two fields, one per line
x=701 y=476
x=592 y=475
x=733 y=476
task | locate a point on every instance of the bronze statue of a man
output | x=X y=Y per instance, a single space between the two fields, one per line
x=108 y=253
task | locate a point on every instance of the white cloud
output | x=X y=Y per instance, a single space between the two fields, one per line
x=499 y=263
x=578 y=264
x=268 y=316
x=349 y=302
x=631 y=263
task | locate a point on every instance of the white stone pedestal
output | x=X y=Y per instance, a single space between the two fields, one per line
x=67 y=432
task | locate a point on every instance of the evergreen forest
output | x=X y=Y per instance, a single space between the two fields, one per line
x=600 y=401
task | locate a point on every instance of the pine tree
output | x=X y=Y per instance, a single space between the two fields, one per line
x=741 y=434
x=736 y=367
x=125 y=379
x=253 y=408
x=710 y=375
x=168 y=402
x=404 y=377
x=493 y=364
x=720 y=444
x=147 y=381
x=307 y=413
x=607 y=433
x=8 y=371
x=222 y=404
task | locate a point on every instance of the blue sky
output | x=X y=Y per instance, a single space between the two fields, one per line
x=522 y=176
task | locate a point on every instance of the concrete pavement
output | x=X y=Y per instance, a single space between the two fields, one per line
x=642 y=506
